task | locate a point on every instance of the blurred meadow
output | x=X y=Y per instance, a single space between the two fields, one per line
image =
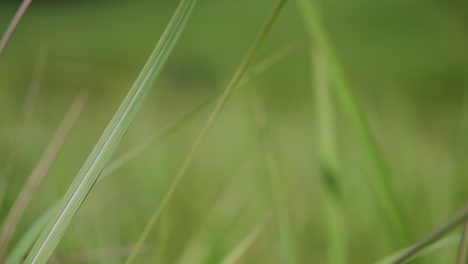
x=285 y=174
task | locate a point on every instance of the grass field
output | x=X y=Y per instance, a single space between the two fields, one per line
x=344 y=142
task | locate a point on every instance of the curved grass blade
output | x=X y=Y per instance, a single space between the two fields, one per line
x=37 y=175
x=207 y=127
x=380 y=176
x=417 y=247
x=110 y=139
x=13 y=23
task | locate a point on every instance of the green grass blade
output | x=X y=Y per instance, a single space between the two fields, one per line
x=277 y=190
x=154 y=139
x=462 y=245
x=222 y=216
x=441 y=244
x=97 y=255
x=13 y=23
x=110 y=139
x=265 y=64
x=37 y=175
x=207 y=127
x=239 y=252
x=336 y=230
x=440 y=231
x=26 y=113
x=380 y=176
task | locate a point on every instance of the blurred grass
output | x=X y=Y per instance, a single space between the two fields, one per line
x=406 y=60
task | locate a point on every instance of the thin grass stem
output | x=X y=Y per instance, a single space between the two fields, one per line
x=38 y=174
x=206 y=128
x=25 y=117
x=443 y=243
x=240 y=251
x=440 y=231
x=97 y=254
x=462 y=245
x=277 y=190
x=13 y=23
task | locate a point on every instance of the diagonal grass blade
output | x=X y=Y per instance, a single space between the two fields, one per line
x=110 y=139
x=207 y=127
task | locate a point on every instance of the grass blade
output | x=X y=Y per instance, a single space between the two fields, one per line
x=200 y=247
x=462 y=245
x=440 y=244
x=460 y=147
x=156 y=138
x=239 y=252
x=13 y=23
x=380 y=176
x=110 y=139
x=96 y=255
x=336 y=230
x=207 y=127
x=412 y=250
x=277 y=191
x=37 y=175
x=26 y=113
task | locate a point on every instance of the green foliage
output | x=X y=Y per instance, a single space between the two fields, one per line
x=360 y=132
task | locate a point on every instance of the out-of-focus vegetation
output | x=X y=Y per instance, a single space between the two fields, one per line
x=405 y=61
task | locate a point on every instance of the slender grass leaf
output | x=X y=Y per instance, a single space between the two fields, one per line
x=239 y=252
x=336 y=230
x=462 y=245
x=277 y=190
x=441 y=244
x=97 y=255
x=380 y=176
x=208 y=125
x=433 y=236
x=110 y=139
x=13 y=23
x=26 y=113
